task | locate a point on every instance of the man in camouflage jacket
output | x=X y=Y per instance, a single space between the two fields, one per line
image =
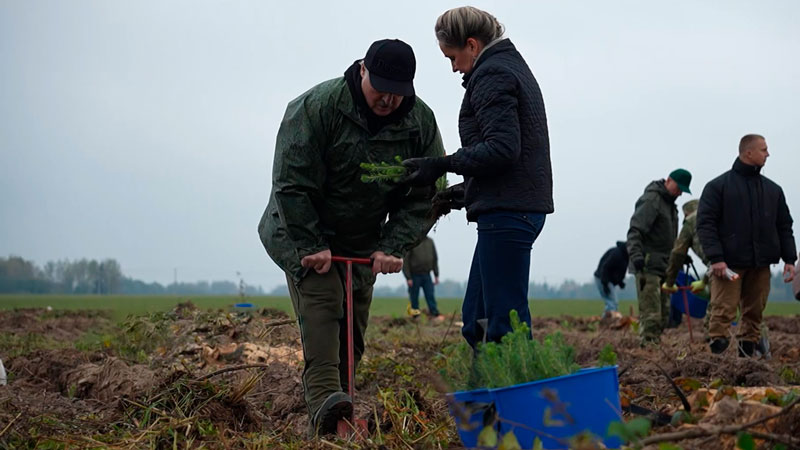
x=319 y=207
x=651 y=235
x=687 y=239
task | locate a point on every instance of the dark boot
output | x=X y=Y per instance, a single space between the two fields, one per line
x=746 y=349
x=718 y=345
x=763 y=347
x=337 y=406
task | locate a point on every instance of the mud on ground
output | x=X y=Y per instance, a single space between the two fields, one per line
x=233 y=380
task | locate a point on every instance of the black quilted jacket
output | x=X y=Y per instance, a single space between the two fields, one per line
x=505 y=149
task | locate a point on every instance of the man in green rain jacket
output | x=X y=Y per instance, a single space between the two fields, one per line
x=651 y=235
x=319 y=207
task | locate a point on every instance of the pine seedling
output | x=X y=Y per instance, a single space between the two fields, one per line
x=441 y=183
x=383 y=171
x=607 y=356
x=514 y=360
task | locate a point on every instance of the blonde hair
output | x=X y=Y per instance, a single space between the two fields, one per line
x=456 y=25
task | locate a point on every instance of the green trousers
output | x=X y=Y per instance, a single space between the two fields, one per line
x=653 y=306
x=319 y=303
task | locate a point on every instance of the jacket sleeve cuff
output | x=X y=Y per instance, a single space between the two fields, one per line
x=447 y=163
x=305 y=251
x=390 y=251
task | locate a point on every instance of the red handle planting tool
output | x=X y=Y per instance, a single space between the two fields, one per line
x=355 y=426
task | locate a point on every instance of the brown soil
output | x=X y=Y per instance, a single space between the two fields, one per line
x=66 y=394
x=57 y=325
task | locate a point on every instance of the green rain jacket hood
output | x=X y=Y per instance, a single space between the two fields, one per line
x=653 y=228
x=318 y=200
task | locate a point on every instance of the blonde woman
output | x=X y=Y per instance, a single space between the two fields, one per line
x=505 y=160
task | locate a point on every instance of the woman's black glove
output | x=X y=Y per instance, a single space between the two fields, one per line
x=448 y=200
x=424 y=171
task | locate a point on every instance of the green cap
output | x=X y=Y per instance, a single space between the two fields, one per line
x=683 y=178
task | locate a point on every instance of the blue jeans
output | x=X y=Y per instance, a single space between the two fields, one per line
x=423 y=281
x=498 y=278
x=610 y=299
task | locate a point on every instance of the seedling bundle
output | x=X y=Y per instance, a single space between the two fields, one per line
x=530 y=393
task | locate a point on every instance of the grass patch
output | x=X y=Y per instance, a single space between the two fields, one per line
x=13 y=345
x=121 y=306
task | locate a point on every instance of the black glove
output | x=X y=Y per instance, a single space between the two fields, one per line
x=622 y=285
x=454 y=196
x=448 y=200
x=606 y=289
x=638 y=264
x=424 y=171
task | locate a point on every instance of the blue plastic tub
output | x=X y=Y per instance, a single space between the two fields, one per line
x=554 y=409
x=468 y=408
x=560 y=408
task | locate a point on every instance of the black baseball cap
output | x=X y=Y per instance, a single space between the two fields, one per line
x=391 y=65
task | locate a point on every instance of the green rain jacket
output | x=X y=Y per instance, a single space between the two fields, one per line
x=653 y=228
x=318 y=200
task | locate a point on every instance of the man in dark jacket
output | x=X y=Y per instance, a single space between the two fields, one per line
x=652 y=232
x=611 y=271
x=418 y=264
x=319 y=207
x=744 y=226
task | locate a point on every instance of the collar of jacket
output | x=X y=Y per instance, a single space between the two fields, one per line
x=488 y=46
x=504 y=45
x=745 y=169
x=661 y=188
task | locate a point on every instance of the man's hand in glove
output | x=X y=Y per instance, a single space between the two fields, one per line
x=638 y=264
x=424 y=171
x=670 y=289
x=447 y=200
x=698 y=286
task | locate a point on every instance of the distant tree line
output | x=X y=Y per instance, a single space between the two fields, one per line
x=568 y=289
x=84 y=276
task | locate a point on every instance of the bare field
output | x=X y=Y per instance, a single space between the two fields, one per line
x=189 y=377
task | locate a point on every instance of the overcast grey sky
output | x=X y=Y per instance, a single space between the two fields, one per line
x=144 y=131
